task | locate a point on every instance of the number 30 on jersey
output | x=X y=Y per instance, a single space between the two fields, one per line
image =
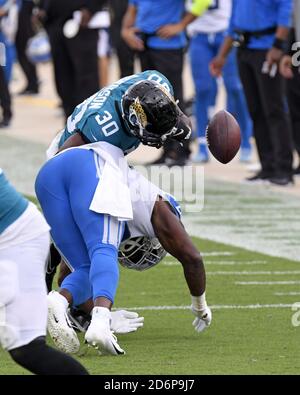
x=107 y=124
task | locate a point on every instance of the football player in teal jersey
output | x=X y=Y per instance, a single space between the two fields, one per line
x=24 y=242
x=136 y=109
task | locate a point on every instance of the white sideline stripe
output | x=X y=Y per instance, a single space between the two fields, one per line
x=247 y=273
x=215 y=307
x=286 y=293
x=234 y=263
x=220 y=263
x=267 y=282
x=215 y=253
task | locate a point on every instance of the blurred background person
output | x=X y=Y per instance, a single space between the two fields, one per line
x=24 y=33
x=6 y=61
x=5 y=100
x=75 y=58
x=8 y=30
x=261 y=28
x=290 y=69
x=155 y=29
x=124 y=53
x=104 y=46
x=206 y=36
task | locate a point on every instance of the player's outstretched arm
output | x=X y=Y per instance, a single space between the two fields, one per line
x=178 y=243
x=175 y=240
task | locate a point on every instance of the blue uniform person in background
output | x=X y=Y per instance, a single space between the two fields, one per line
x=7 y=57
x=206 y=36
x=136 y=109
x=9 y=10
x=155 y=29
x=261 y=28
x=24 y=243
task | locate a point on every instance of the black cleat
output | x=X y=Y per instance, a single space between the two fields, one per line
x=259 y=177
x=296 y=171
x=79 y=319
x=282 y=181
x=5 y=123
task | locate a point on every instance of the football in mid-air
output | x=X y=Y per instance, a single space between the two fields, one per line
x=223 y=136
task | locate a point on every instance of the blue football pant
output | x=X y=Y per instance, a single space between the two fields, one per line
x=203 y=48
x=87 y=240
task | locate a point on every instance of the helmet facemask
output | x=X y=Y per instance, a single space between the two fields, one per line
x=140 y=253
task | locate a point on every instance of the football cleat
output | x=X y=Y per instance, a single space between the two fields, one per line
x=99 y=334
x=122 y=321
x=79 y=319
x=53 y=261
x=59 y=325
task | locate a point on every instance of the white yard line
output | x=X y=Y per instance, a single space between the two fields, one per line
x=257 y=219
x=219 y=253
x=254 y=273
x=286 y=293
x=218 y=263
x=214 y=307
x=234 y=263
x=267 y=282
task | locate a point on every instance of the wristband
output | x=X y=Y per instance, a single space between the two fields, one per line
x=199 y=302
x=279 y=44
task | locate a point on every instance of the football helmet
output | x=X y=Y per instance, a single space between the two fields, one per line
x=140 y=253
x=152 y=115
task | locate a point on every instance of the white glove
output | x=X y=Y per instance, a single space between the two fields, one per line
x=202 y=320
x=123 y=321
x=202 y=312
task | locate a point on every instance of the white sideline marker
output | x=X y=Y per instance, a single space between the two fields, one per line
x=286 y=293
x=214 y=307
x=247 y=273
x=219 y=263
x=224 y=253
x=267 y=282
x=214 y=253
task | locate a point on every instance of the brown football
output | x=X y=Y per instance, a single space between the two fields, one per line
x=223 y=136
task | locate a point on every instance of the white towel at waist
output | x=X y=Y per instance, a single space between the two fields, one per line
x=112 y=195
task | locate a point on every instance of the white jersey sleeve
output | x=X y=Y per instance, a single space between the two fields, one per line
x=144 y=194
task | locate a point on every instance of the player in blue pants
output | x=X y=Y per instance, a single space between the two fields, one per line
x=87 y=240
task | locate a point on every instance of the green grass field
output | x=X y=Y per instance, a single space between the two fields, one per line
x=251 y=332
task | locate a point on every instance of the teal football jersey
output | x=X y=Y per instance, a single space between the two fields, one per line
x=99 y=118
x=12 y=203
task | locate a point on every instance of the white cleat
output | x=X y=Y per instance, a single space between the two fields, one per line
x=99 y=334
x=59 y=326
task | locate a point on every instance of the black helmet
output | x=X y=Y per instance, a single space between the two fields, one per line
x=152 y=115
